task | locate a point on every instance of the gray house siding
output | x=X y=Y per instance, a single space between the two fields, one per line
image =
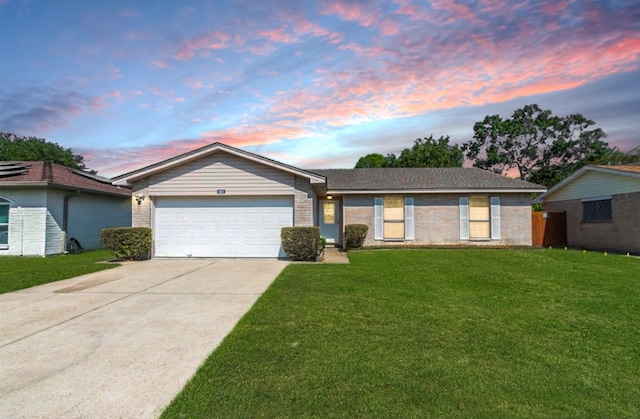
x=221 y=171
x=88 y=214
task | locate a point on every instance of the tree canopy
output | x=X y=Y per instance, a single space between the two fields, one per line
x=544 y=148
x=20 y=148
x=427 y=152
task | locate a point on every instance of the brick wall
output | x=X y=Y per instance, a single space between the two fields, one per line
x=621 y=234
x=27 y=221
x=141 y=213
x=304 y=203
x=437 y=219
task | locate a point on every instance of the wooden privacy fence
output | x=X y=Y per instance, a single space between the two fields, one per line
x=549 y=228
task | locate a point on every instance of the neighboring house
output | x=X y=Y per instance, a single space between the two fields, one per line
x=43 y=205
x=601 y=205
x=219 y=201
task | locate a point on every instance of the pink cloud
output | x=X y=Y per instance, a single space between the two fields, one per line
x=203 y=41
x=351 y=11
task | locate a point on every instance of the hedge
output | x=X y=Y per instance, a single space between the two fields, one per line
x=301 y=243
x=127 y=243
x=354 y=235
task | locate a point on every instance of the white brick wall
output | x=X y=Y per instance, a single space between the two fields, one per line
x=27 y=222
x=35 y=219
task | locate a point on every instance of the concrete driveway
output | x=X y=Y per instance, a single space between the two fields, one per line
x=122 y=342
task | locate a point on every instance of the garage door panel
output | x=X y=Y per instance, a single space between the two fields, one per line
x=221 y=226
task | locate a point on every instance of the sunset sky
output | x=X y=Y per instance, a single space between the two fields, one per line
x=314 y=84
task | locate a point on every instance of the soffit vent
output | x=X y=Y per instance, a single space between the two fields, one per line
x=12 y=168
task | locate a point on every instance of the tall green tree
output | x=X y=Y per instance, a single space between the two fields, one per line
x=543 y=147
x=427 y=152
x=371 y=160
x=20 y=148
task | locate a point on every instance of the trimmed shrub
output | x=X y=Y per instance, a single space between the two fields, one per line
x=301 y=243
x=354 y=235
x=127 y=243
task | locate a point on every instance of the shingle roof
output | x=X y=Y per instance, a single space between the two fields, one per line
x=433 y=179
x=40 y=173
x=622 y=168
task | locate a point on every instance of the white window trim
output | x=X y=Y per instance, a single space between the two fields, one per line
x=3 y=203
x=494 y=218
x=408 y=219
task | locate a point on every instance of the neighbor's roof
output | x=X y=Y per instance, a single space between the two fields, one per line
x=623 y=170
x=46 y=174
x=453 y=179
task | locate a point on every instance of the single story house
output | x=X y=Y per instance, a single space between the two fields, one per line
x=43 y=205
x=601 y=205
x=220 y=201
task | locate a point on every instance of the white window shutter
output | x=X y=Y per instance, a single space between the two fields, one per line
x=378 y=223
x=495 y=218
x=464 y=218
x=408 y=219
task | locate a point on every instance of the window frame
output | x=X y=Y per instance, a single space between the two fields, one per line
x=495 y=223
x=594 y=206
x=486 y=221
x=392 y=221
x=7 y=204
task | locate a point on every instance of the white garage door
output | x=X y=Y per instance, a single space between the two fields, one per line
x=221 y=226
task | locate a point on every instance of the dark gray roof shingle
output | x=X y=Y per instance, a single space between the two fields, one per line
x=400 y=179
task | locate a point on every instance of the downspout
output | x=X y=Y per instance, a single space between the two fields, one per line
x=65 y=218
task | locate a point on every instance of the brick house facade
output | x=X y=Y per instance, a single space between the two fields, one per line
x=601 y=206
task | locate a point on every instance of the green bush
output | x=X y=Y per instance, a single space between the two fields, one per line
x=354 y=235
x=127 y=243
x=301 y=243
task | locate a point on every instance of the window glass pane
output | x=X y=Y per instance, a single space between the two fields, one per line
x=479 y=230
x=394 y=230
x=4 y=235
x=597 y=210
x=328 y=213
x=393 y=208
x=479 y=208
x=4 y=214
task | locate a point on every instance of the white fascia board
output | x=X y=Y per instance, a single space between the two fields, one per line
x=429 y=191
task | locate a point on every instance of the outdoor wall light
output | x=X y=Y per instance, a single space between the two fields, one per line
x=329 y=196
x=139 y=198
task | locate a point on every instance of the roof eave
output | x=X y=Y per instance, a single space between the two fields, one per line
x=429 y=191
x=41 y=184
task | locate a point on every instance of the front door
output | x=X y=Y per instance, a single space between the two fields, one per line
x=330 y=221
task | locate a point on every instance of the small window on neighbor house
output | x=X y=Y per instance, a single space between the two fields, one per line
x=599 y=210
x=4 y=223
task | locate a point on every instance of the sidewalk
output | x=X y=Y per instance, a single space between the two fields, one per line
x=334 y=255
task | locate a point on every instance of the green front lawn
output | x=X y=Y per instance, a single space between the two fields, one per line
x=23 y=272
x=433 y=333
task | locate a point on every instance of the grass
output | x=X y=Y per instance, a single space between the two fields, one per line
x=24 y=272
x=433 y=333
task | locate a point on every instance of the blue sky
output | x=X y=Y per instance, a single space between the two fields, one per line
x=312 y=84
